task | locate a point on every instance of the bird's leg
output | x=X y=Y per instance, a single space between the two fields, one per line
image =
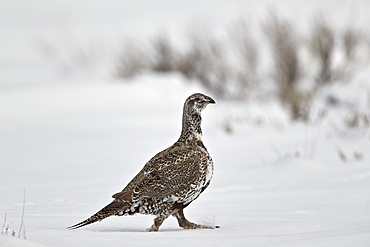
x=184 y=223
x=157 y=223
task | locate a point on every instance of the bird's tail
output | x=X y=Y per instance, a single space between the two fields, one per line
x=111 y=209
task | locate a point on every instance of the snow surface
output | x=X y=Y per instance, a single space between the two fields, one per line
x=7 y=241
x=72 y=139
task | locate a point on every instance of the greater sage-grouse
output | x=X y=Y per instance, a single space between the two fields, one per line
x=171 y=180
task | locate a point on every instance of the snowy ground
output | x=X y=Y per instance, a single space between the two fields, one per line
x=74 y=139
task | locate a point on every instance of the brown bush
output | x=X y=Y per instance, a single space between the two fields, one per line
x=132 y=60
x=321 y=44
x=164 y=54
x=287 y=70
x=351 y=38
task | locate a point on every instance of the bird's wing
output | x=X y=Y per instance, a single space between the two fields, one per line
x=170 y=173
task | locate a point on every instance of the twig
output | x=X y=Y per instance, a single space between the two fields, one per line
x=22 y=219
x=3 y=228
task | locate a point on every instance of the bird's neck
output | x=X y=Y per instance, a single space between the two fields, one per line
x=191 y=131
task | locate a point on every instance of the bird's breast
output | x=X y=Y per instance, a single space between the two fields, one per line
x=209 y=171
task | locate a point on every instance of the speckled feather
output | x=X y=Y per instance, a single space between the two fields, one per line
x=173 y=178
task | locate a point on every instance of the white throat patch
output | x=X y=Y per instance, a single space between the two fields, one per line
x=198 y=136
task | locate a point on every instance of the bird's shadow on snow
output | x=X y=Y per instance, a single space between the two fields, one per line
x=137 y=230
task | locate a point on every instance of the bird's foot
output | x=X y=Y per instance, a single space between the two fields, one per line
x=153 y=228
x=184 y=223
x=157 y=223
x=190 y=225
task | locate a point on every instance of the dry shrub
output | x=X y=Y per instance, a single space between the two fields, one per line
x=213 y=70
x=72 y=54
x=342 y=156
x=357 y=121
x=229 y=67
x=298 y=102
x=285 y=51
x=246 y=57
x=287 y=70
x=163 y=58
x=205 y=60
x=132 y=61
x=189 y=62
x=356 y=155
x=197 y=60
x=321 y=44
x=351 y=39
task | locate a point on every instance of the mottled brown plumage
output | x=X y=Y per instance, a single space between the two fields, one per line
x=172 y=179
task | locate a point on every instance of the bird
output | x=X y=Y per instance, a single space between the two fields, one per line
x=171 y=180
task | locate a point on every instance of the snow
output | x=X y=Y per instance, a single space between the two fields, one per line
x=7 y=241
x=72 y=138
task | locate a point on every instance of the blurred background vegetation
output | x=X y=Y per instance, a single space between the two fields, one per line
x=301 y=66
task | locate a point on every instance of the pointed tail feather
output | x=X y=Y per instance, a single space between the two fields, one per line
x=109 y=210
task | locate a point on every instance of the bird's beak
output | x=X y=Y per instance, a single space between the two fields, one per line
x=211 y=101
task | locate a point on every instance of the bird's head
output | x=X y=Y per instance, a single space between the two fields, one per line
x=197 y=102
x=191 y=120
